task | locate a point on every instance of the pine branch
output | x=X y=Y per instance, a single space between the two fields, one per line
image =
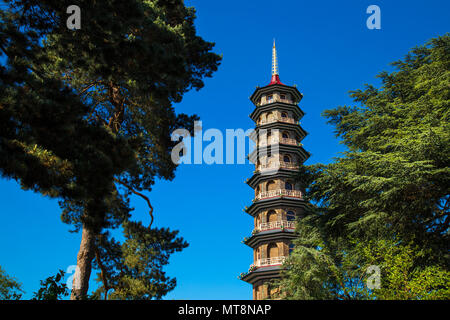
x=141 y=195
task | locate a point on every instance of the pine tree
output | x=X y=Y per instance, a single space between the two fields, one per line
x=45 y=142
x=389 y=190
x=127 y=65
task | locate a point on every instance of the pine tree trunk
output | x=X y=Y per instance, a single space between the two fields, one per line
x=84 y=264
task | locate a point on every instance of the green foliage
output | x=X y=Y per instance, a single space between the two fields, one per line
x=10 y=289
x=88 y=113
x=46 y=141
x=52 y=288
x=321 y=267
x=400 y=277
x=386 y=200
x=134 y=269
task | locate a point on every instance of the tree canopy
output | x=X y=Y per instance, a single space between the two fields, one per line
x=385 y=201
x=89 y=118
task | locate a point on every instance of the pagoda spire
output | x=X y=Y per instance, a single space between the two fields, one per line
x=274 y=60
x=275 y=75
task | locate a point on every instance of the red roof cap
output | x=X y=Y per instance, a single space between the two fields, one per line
x=275 y=80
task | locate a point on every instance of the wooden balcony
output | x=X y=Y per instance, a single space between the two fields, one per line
x=277 y=165
x=275 y=225
x=274 y=140
x=274 y=100
x=279 y=193
x=267 y=262
x=277 y=119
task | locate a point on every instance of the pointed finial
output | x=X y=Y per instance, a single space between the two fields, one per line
x=274 y=60
x=275 y=75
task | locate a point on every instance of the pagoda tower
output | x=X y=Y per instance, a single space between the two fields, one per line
x=278 y=201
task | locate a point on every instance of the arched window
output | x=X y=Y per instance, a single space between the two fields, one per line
x=272 y=216
x=272 y=250
x=271 y=185
x=270 y=98
x=284 y=115
x=290 y=216
x=285 y=135
x=286 y=158
x=288 y=186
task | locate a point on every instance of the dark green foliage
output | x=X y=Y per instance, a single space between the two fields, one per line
x=133 y=269
x=10 y=289
x=390 y=189
x=52 y=288
x=46 y=142
x=89 y=114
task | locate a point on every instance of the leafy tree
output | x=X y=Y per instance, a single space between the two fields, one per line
x=52 y=288
x=45 y=142
x=10 y=289
x=389 y=190
x=133 y=269
x=400 y=278
x=127 y=64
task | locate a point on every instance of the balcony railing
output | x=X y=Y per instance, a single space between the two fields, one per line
x=279 y=193
x=289 y=141
x=274 y=100
x=285 y=100
x=276 y=225
x=278 y=119
x=274 y=140
x=278 y=165
x=269 y=261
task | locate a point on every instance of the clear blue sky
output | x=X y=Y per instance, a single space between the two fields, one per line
x=323 y=46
